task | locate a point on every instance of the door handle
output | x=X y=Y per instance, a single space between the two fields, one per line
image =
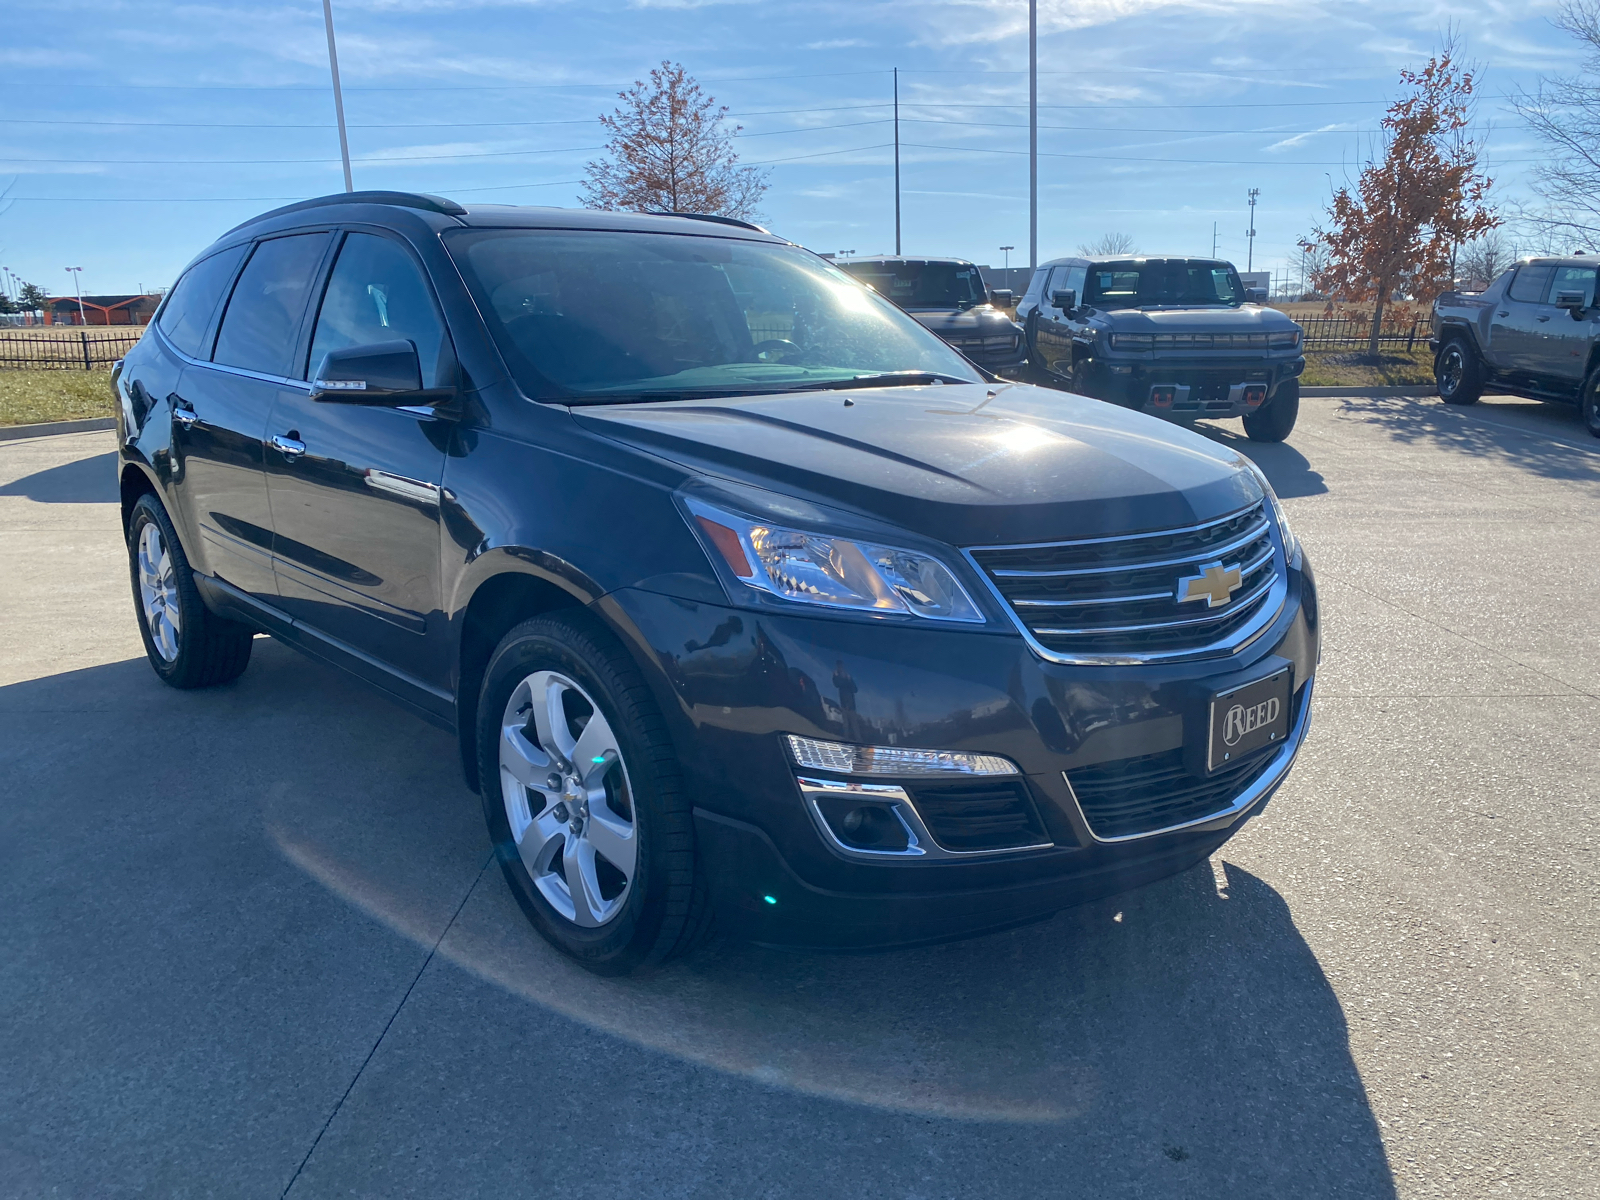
x=182 y=415
x=1543 y=319
x=290 y=447
x=1504 y=314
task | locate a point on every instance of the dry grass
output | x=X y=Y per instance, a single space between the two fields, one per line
x=27 y=397
x=1352 y=368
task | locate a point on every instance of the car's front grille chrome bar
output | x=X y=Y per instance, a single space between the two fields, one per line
x=1192 y=592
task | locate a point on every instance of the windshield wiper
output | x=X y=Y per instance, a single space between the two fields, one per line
x=886 y=379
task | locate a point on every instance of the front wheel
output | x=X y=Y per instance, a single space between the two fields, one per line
x=1275 y=419
x=1590 y=403
x=1458 y=374
x=584 y=798
x=188 y=645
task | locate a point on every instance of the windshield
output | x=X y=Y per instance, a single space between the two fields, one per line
x=923 y=284
x=1150 y=282
x=594 y=316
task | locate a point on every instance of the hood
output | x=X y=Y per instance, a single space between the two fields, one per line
x=1247 y=319
x=973 y=321
x=969 y=464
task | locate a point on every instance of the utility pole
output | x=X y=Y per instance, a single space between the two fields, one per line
x=1250 y=253
x=338 y=95
x=77 y=281
x=1033 y=135
x=1213 y=239
x=897 y=160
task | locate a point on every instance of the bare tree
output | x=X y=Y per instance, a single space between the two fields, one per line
x=1483 y=259
x=1109 y=243
x=1564 y=113
x=669 y=151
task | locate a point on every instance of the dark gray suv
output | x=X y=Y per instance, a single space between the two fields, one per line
x=949 y=297
x=1179 y=338
x=1534 y=332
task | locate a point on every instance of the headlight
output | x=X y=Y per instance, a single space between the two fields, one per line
x=1132 y=341
x=1291 y=544
x=835 y=572
x=1284 y=341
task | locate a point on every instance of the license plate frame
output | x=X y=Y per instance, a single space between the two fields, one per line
x=1254 y=714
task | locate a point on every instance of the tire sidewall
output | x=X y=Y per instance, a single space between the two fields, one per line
x=1276 y=419
x=149 y=511
x=558 y=645
x=1589 y=403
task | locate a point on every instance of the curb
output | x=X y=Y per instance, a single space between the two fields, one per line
x=1414 y=389
x=46 y=428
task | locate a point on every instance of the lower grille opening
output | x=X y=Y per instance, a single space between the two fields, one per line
x=997 y=815
x=1156 y=791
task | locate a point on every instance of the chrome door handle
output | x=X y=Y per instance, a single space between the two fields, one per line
x=290 y=448
x=185 y=417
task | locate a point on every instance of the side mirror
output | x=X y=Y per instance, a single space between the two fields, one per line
x=383 y=374
x=1002 y=297
x=1065 y=299
x=1571 y=301
x=1255 y=295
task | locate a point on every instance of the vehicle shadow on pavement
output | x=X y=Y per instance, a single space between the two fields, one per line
x=1181 y=1039
x=86 y=481
x=1286 y=468
x=1545 y=439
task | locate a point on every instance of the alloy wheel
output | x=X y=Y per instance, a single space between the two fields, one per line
x=567 y=798
x=1452 y=370
x=158 y=592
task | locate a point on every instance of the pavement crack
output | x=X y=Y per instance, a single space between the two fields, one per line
x=356 y=1078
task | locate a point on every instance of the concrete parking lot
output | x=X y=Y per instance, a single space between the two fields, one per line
x=251 y=942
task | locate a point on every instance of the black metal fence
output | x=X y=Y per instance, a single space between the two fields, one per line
x=1351 y=333
x=79 y=350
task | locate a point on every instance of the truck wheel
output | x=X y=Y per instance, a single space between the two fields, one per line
x=585 y=799
x=1078 y=381
x=1589 y=405
x=1275 y=419
x=1458 y=374
x=188 y=645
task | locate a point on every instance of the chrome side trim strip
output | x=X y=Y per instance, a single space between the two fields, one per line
x=1219 y=615
x=920 y=843
x=1127 y=537
x=1205 y=554
x=1246 y=800
x=280 y=380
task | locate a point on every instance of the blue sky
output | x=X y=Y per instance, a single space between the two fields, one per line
x=135 y=132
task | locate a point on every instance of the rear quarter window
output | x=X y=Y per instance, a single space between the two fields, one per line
x=187 y=314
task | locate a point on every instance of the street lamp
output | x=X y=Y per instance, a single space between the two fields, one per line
x=77 y=283
x=1007 y=251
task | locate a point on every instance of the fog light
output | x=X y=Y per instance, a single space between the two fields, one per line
x=864 y=826
x=893 y=760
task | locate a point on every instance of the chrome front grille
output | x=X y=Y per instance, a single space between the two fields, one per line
x=1120 y=599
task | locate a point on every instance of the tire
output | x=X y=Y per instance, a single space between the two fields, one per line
x=1458 y=373
x=555 y=815
x=1589 y=403
x=1079 y=380
x=1275 y=419
x=188 y=645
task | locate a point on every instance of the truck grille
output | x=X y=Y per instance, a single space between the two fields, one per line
x=1121 y=598
x=1133 y=796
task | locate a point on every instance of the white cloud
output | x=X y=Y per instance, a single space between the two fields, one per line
x=1300 y=139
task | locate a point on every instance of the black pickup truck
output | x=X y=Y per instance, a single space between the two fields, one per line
x=1179 y=338
x=1534 y=332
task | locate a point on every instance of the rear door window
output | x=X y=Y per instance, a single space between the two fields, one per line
x=1531 y=284
x=186 y=315
x=376 y=293
x=262 y=322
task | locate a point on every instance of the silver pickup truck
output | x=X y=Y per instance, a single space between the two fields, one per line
x=1534 y=332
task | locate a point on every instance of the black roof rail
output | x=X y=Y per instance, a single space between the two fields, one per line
x=422 y=200
x=709 y=217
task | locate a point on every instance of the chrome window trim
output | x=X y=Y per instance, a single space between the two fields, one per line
x=921 y=843
x=1264 y=785
x=281 y=380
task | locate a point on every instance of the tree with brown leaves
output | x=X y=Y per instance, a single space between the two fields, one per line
x=1425 y=198
x=669 y=151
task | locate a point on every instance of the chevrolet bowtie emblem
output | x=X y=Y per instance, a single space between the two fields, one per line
x=1215 y=585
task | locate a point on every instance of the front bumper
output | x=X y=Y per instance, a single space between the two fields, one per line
x=731 y=682
x=1186 y=389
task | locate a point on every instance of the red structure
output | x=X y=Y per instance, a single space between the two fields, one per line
x=101 y=310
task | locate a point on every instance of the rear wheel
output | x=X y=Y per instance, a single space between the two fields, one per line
x=1275 y=419
x=1458 y=373
x=1589 y=403
x=188 y=645
x=584 y=798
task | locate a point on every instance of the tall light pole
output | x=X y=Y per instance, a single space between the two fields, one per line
x=1250 y=253
x=77 y=282
x=897 y=160
x=1007 y=251
x=1033 y=134
x=338 y=95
